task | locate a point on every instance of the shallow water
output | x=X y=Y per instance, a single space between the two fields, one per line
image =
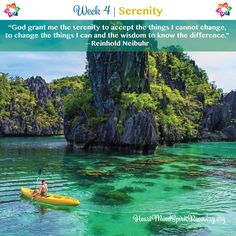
x=195 y=180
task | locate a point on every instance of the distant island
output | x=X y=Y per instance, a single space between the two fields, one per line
x=130 y=101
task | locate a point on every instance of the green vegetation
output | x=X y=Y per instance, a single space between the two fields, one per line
x=19 y=105
x=65 y=85
x=139 y=101
x=179 y=91
x=4 y=95
x=79 y=103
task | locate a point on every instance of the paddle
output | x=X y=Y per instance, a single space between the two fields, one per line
x=39 y=173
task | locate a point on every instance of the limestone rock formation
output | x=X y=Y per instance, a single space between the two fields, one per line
x=112 y=73
x=219 y=120
x=34 y=111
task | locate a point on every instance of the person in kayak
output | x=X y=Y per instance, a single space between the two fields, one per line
x=42 y=190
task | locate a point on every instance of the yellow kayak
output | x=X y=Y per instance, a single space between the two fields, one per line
x=50 y=198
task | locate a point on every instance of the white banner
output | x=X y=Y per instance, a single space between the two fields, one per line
x=122 y=9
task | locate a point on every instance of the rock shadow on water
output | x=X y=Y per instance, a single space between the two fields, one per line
x=166 y=228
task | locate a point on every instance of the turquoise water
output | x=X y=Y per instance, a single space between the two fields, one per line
x=119 y=194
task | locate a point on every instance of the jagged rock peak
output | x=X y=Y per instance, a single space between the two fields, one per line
x=39 y=86
x=219 y=120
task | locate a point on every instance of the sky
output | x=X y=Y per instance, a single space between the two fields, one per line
x=48 y=65
x=220 y=66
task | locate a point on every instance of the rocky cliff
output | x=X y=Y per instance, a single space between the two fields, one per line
x=110 y=75
x=219 y=120
x=29 y=107
x=137 y=100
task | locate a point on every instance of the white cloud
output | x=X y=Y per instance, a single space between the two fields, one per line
x=220 y=67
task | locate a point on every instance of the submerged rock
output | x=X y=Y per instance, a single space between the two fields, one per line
x=111 y=197
x=152 y=161
x=95 y=173
x=132 y=189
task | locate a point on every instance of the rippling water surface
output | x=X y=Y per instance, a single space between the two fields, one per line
x=193 y=184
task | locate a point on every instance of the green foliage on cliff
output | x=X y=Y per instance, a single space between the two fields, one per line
x=4 y=95
x=79 y=96
x=140 y=101
x=78 y=102
x=177 y=93
x=179 y=90
x=66 y=85
x=22 y=113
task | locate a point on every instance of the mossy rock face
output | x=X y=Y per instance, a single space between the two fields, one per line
x=115 y=197
x=171 y=228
